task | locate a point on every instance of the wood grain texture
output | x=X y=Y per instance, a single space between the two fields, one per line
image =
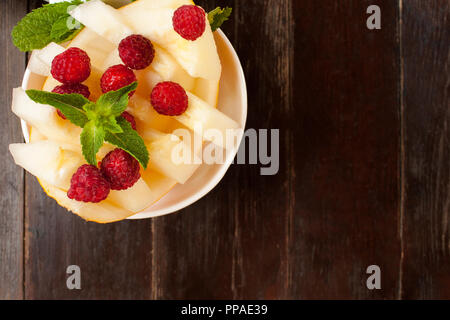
x=11 y=176
x=426 y=118
x=346 y=129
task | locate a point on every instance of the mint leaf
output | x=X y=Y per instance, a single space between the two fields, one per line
x=100 y=121
x=110 y=124
x=130 y=141
x=34 y=31
x=115 y=102
x=218 y=16
x=61 y=32
x=71 y=105
x=91 y=138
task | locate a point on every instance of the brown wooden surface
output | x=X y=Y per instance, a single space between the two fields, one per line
x=364 y=172
x=11 y=177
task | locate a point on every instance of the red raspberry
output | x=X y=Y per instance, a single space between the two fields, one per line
x=136 y=52
x=189 y=21
x=116 y=77
x=71 y=66
x=121 y=169
x=129 y=118
x=169 y=98
x=88 y=185
x=71 y=88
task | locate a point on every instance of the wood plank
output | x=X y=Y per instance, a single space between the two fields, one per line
x=115 y=259
x=426 y=240
x=345 y=132
x=11 y=188
x=232 y=244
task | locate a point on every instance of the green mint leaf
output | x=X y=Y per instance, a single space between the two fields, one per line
x=115 y=102
x=130 y=141
x=218 y=16
x=91 y=138
x=71 y=105
x=110 y=124
x=34 y=31
x=62 y=31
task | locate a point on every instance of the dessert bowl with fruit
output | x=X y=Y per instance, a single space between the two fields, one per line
x=119 y=105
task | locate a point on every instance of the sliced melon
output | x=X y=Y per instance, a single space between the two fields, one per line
x=44 y=118
x=102 y=212
x=157 y=4
x=158 y=183
x=207 y=90
x=146 y=116
x=47 y=160
x=134 y=199
x=203 y=119
x=41 y=60
x=96 y=47
x=102 y=19
x=170 y=155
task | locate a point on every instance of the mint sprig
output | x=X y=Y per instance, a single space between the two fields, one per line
x=44 y=25
x=218 y=16
x=101 y=121
x=71 y=105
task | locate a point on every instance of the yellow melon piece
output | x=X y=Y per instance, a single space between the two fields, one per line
x=47 y=160
x=146 y=116
x=102 y=212
x=134 y=199
x=203 y=119
x=41 y=60
x=44 y=118
x=166 y=154
x=102 y=19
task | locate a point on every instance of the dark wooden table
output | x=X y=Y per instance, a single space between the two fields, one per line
x=364 y=172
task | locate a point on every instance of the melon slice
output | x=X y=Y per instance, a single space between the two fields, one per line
x=167 y=152
x=44 y=118
x=158 y=183
x=207 y=90
x=41 y=60
x=146 y=116
x=157 y=4
x=134 y=199
x=102 y=212
x=203 y=119
x=96 y=47
x=48 y=161
x=102 y=19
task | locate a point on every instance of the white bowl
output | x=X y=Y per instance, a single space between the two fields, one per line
x=232 y=102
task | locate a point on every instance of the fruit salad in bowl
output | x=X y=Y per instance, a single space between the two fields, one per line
x=121 y=105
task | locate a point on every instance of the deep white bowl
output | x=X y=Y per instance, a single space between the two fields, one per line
x=232 y=102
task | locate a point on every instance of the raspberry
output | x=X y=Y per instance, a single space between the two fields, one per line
x=116 y=77
x=72 y=66
x=88 y=185
x=189 y=21
x=120 y=169
x=169 y=98
x=71 y=88
x=136 y=52
x=129 y=118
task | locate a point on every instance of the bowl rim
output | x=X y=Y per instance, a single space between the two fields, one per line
x=144 y=214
